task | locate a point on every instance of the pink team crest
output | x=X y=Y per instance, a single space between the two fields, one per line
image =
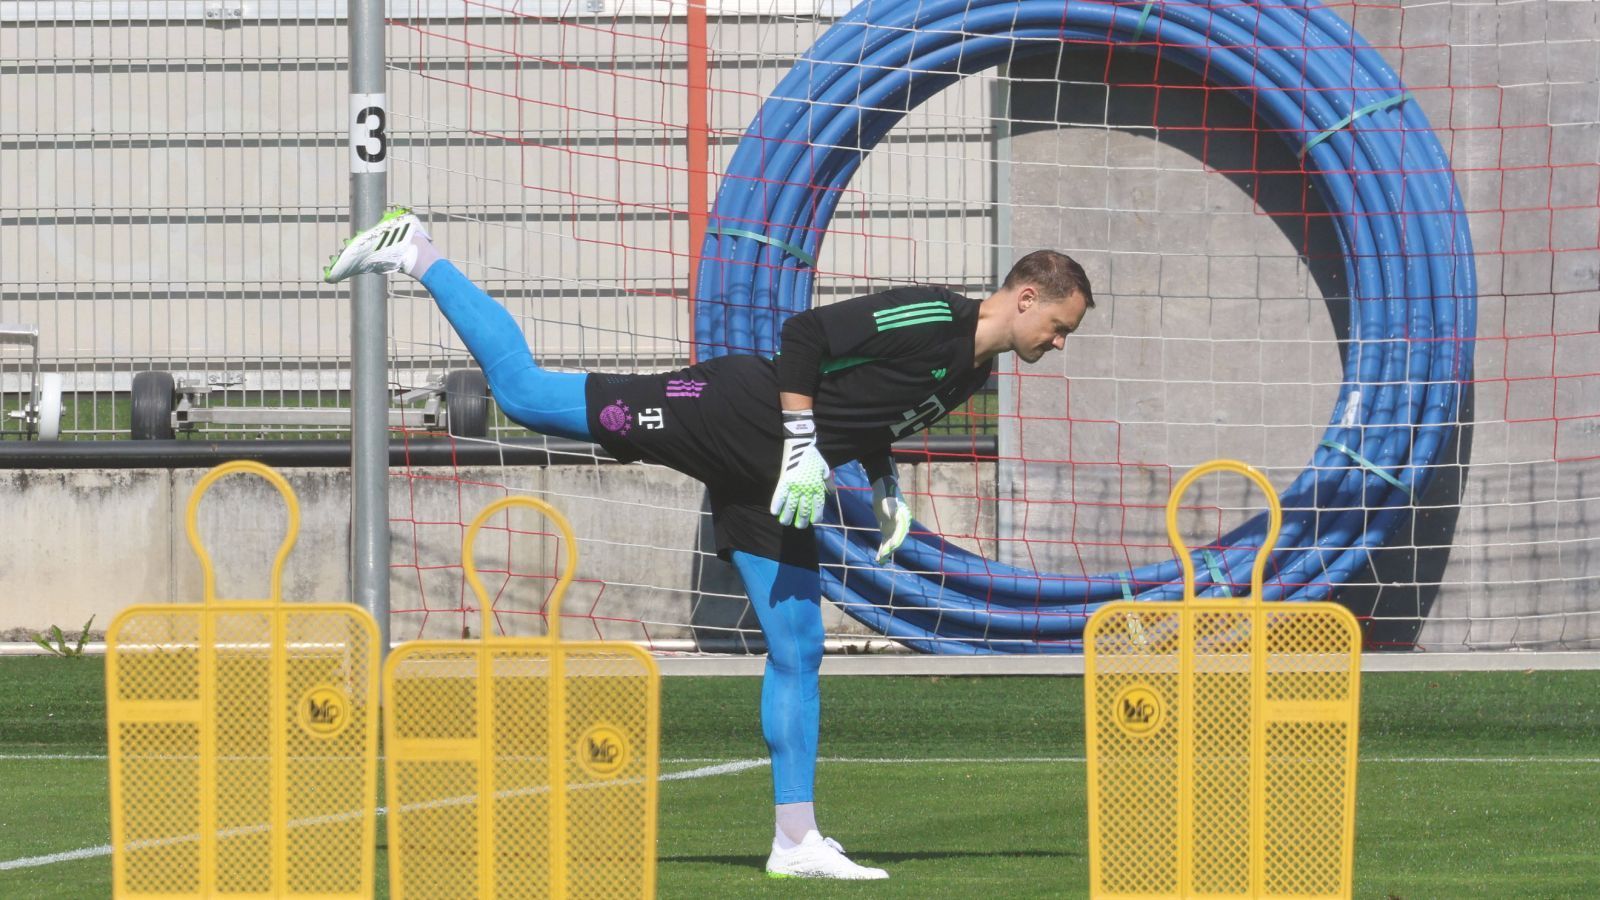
x=615 y=418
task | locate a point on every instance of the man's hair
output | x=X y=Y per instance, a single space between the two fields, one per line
x=1056 y=275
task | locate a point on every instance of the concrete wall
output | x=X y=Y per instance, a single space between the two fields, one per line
x=1223 y=317
x=75 y=543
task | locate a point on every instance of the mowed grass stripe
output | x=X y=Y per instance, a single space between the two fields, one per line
x=1018 y=830
x=1510 y=814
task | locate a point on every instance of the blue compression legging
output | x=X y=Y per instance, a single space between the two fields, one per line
x=788 y=602
x=550 y=403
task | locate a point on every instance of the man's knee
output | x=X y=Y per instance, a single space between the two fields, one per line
x=799 y=648
x=541 y=400
x=811 y=643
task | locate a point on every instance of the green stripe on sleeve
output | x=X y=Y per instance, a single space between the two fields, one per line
x=911 y=309
x=923 y=320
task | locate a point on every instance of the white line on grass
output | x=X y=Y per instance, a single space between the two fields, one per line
x=719 y=769
x=29 y=862
x=734 y=766
x=726 y=768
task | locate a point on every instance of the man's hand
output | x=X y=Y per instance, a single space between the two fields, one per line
x=803 y=481
x=894 y=517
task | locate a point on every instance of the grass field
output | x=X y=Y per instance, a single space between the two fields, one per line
x=1471 y=785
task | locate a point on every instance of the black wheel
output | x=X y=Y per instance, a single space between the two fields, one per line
x=152 y=406
x=466 y=403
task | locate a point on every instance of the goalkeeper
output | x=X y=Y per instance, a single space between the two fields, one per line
x=763 y=435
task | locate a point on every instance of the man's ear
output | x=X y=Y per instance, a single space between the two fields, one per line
x=1027 y=295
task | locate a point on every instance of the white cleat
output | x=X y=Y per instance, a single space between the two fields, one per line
x=385 y=247
x=818 y=857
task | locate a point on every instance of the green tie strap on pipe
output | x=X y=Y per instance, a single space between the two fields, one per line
x=1370 y=467
x=1144 y=14
x=785 y=246
x=1363 y=111
x=1213 y=568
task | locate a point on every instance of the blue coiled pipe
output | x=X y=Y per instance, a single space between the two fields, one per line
x=1368 y=147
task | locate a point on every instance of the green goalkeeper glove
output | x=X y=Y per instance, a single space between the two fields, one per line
x=803 y=481
x=894 y=517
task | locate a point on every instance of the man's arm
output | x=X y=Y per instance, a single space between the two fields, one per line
x=803 y=474
x=888 y=503
x=879 y=465
x=804 y=345
x=880 y=326
x=792 y=402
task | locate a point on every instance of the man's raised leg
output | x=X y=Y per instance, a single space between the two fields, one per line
x=548 y=402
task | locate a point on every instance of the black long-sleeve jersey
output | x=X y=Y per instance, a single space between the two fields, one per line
x=880 y=368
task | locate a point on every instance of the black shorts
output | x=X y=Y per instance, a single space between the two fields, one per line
x=717 y=422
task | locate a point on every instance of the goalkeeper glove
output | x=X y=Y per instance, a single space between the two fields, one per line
x=894 y=517
x=803 y=481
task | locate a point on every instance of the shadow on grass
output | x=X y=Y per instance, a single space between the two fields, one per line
x=861 y=854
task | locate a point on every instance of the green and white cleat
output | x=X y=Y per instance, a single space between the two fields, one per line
x=385 y=247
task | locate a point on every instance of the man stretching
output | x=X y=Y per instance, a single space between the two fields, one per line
x=763 y=435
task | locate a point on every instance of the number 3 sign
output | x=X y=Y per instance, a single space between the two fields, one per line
x=369 y=141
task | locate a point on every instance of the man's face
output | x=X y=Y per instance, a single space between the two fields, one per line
x=1043 y=324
